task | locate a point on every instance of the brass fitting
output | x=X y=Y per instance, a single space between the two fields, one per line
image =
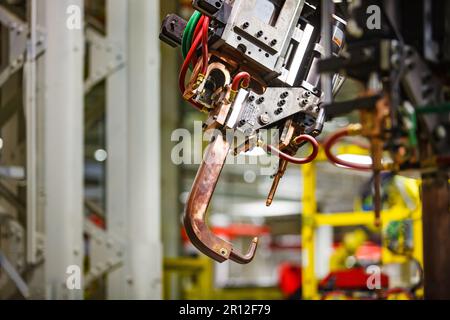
x=355 y=129
x=260 y=143
x=389 y=166
x=233 y=94
x=199 y=81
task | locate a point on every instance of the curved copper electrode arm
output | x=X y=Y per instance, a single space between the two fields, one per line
x=197 y=204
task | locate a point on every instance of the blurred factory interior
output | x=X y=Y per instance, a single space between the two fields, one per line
x=91 y=199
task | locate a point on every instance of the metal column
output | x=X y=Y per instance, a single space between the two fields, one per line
x=170 y=181
x=133 y=135
x=63 y=139
x=170 y=116
x=116 y=141
x=143 y=261
x=309 y=210
x=436 y=235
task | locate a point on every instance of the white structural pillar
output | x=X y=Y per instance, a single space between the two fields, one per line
x=63 y=143
x=117 y=142
x=144 y=254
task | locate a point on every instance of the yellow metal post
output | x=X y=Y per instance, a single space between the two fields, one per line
x=309 y=206
x=206 y=278
x=418 y=243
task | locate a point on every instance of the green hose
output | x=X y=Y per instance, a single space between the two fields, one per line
x=188 y=33
x=413 y=131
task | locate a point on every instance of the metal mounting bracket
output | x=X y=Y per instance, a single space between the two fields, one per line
x=106 y=252
x=105 y=58
x=18 y=37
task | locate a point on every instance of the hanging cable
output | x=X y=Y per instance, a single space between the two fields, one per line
x=198 y=28
x=297 y=140
x=186 y=63
x=202 y=36
x=205 y=51
x=188 y=33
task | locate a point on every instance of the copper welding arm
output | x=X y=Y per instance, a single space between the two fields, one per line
x=276 y=181
x=197 y=204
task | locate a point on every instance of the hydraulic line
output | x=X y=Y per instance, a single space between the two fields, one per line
x=333 y=139
x=297 y=140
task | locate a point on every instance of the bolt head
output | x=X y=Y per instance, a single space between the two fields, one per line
x=264 y=118
x=278 y=111
x=284 y=95
x=441 y=132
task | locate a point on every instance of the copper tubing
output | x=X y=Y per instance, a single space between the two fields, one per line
x=276 y=182
x=377 y=197
x=197 y=204
x=286 y=158
x=377 y=167
x=333 y=139
x=297 y=140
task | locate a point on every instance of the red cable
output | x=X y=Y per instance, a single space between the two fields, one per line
x=298 y=140
x=198 y=28
x=331 y=141
x=205 y=52
x=243 y=77
x=200 y=37
x=185 y=67
x=186 y=63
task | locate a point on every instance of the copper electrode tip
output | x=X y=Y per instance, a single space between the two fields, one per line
x=377 y=222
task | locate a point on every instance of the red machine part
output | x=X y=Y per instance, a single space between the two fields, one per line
x=290 y=279
x=351 y=279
